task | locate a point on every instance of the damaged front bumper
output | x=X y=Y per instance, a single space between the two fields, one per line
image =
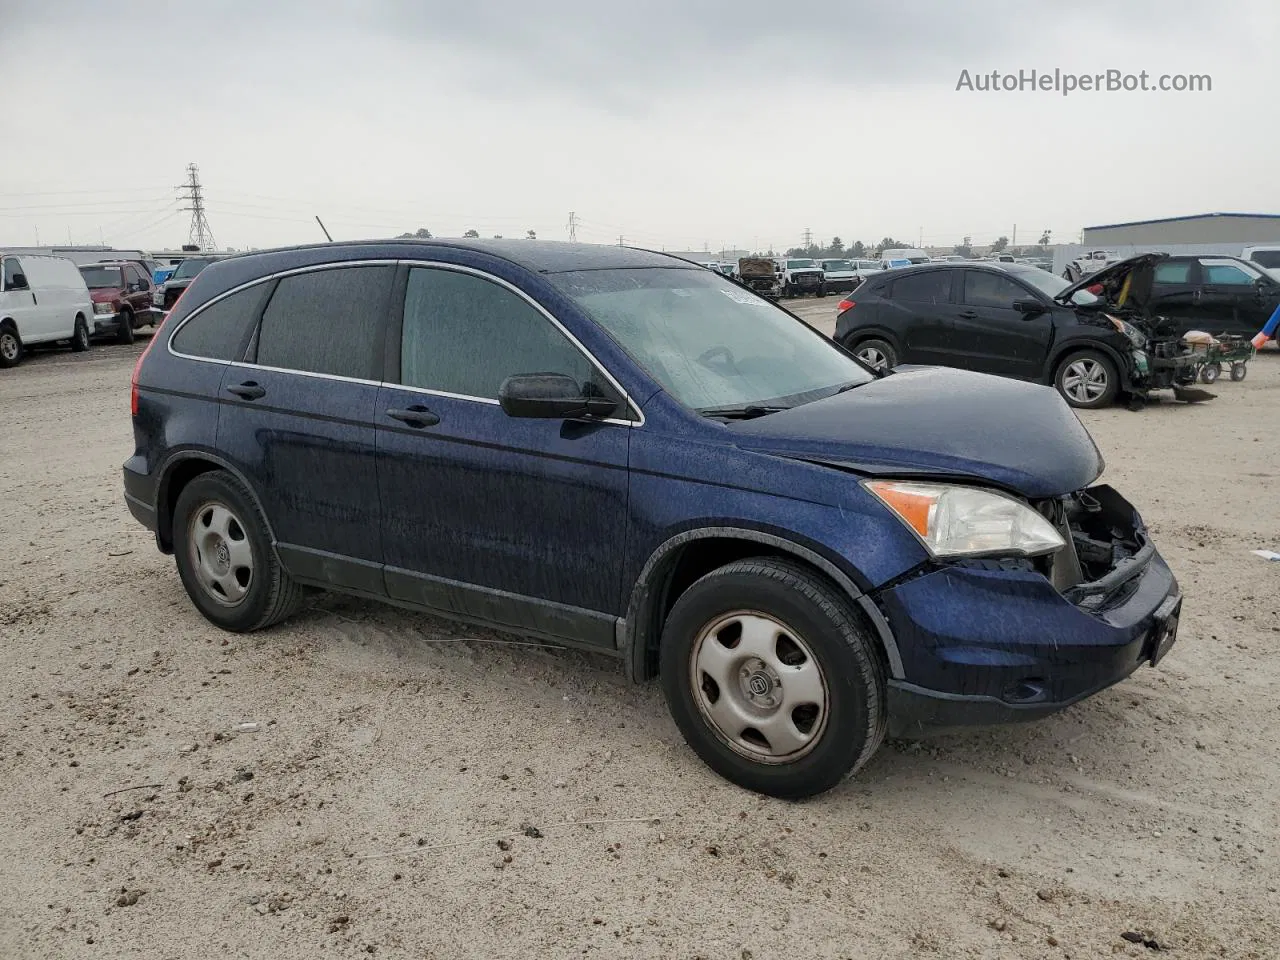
x=998 y=641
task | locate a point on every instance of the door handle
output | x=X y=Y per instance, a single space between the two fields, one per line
x=248 y=390
x=415 y=416
x=34 y=301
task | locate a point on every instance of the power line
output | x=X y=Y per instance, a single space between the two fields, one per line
x=200 y=235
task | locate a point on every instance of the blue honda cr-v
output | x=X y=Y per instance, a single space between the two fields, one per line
x=622 y=451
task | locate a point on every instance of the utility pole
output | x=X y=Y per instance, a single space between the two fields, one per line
x=1015 y=237
x=191 y=191
x=573 y=227
x=920 y=239
x=808 y=238
x=620 y=239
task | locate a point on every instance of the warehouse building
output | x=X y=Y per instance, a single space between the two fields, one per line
x=1237 y=229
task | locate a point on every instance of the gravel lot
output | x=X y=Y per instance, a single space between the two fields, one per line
x=417 y=789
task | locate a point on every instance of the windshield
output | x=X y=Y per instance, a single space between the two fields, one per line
x=102 y=278
x=709 y=342
x=1049 y=284
x=189 y=267
x=799 y=264
x=836 y=265
x=1266 y=258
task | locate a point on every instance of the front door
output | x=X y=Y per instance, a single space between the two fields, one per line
x=297 y=420
x=1175 y=293
x=16 y=301
x=990 y=336
x=486 y=516
x=1229 y=299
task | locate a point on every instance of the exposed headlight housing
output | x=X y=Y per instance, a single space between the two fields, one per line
x=103 y=308
x=959 y=521
x=1135 y=335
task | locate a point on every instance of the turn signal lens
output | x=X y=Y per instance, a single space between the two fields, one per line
x=844 y=305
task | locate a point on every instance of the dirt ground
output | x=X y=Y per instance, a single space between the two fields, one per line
x=410 y=788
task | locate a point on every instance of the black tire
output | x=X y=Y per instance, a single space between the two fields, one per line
x=80 y=337
x=868 y=350
x=788 y=290
x=1239 y=371
x=1210 y=372
x=1081 y=395
x=10 y=345
x=822 y=290
x=270 y=593
x=124 y=332
x=852 y=720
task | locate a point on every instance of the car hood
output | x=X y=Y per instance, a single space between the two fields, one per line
x=105 y=294
x=1113 y=277
x=939 y=422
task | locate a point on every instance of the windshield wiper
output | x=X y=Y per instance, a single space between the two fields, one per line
x=748 y=412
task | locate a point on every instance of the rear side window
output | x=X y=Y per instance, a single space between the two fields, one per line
x=1172 y=273
x=465 y=335
x=327 y=321
x=932 y=286
x=219 y=331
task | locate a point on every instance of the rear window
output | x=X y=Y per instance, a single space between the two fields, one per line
x=932 y=286
x=219 y=331
x=327 y=321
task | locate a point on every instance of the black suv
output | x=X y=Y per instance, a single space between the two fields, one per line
x=1115 y=332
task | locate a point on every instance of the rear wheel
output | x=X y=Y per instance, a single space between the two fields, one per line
x=772 y=679
x=1239 y=371
x=1088 y=380
x=1210 y=372
x=877 y=354
x=124 y=333
x=80 y=338
x=10 y=345
x=224 y=556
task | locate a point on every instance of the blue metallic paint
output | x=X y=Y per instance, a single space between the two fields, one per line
x=563 y=529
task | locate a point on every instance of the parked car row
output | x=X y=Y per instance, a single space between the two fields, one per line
x=48 y=299
x=1114 y=332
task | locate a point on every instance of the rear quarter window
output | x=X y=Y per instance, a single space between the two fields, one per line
x=933 y=286
x=219 y=331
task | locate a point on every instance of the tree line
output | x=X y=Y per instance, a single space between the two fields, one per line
x=859 y=250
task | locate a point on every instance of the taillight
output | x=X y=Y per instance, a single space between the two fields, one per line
x=133 y=381
x=846 y=305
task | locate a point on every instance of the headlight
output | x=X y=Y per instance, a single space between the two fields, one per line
x=1129 y=330
x=99 y=308
x=956 y=521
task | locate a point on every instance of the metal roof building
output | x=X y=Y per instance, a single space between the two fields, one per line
x=1204 y=228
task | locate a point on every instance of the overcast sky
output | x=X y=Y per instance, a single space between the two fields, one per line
x=669 y=122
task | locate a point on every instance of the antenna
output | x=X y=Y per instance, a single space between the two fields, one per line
x=322 y=227
x=191 y=191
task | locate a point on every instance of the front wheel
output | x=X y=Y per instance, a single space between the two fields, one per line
x=10 y=346
x=223 y=551
x=124 y=333
x=1210 y=372
x=1239 y=371
x=1088 y=380
x=80 y=338
x=772 y=679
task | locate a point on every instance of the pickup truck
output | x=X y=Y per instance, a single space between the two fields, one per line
x=840 y=275
x=761 y=275
x=800 y=276
x=1089 y=263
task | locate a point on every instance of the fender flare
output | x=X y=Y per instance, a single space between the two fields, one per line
x=165 y=476
x=634 y=638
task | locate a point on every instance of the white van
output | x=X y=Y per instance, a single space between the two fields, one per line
x=1268 y=256
x=42 y=299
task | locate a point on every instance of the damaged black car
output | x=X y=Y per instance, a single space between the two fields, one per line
x=1096 y=340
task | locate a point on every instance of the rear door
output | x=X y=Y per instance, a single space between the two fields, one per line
x=297 y=420
x=921 y=310
x=509 y=520
x=990 y=336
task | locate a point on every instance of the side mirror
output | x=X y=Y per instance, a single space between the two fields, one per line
x=550 y=396
x=1028 y=306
